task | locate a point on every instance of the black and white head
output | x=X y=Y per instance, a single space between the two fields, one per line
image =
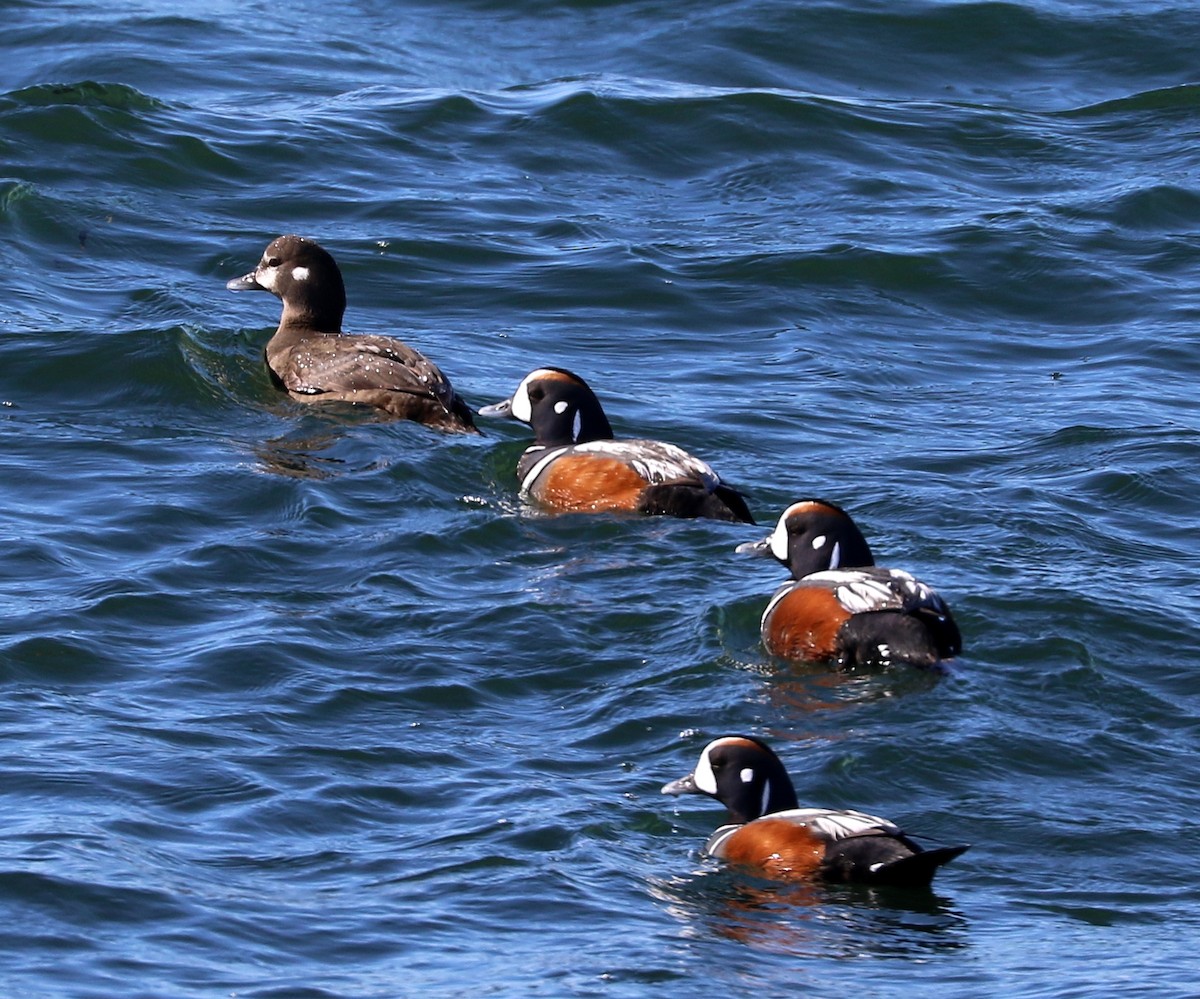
x=558 y=405
x=814 y=535
x=305 y=277
x=743 y=774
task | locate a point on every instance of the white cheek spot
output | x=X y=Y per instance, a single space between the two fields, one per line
x=747 y=775
x=819 y=541
x=299 y=273
x=704 y=778
x=560 y=407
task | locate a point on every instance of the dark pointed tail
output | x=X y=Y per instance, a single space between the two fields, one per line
x=917 y=870
x=687 y=499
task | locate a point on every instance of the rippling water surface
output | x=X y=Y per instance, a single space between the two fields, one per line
x=300 y=703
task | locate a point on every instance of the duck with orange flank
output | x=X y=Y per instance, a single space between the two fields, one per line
x=575 y=465
x=769 y=833
x=839 y=606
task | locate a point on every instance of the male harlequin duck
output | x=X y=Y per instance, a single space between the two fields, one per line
x=575 y=465
x=839 y=606
x=314 y=361
x=770 y=832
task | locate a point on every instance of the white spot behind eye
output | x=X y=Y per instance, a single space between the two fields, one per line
x=560 y=407
x=819 y=541
x=300 y=273
x=747 y=775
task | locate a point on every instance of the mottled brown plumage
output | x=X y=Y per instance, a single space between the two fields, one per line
x=311 y=359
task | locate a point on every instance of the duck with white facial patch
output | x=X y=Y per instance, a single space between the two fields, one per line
x=311 y=359
x=771 y=834
x=575 y=465
x=839 y=606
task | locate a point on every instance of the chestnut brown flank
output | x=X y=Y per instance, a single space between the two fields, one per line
x=777 y=846
x=589 y=482
x=804 y=624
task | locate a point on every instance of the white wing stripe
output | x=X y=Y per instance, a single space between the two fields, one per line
x=536 y=470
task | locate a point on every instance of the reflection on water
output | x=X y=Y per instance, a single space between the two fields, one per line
x=813 y=920
x=299 y=457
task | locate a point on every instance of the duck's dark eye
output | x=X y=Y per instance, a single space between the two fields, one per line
x=537 y=394
x=274 y=262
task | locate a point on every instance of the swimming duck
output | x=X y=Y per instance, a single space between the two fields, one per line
x=574 y=464
x=839 y=605
x=769 y=832
x=311 y=359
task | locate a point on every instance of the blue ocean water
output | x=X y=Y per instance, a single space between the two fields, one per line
x=302 y=703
